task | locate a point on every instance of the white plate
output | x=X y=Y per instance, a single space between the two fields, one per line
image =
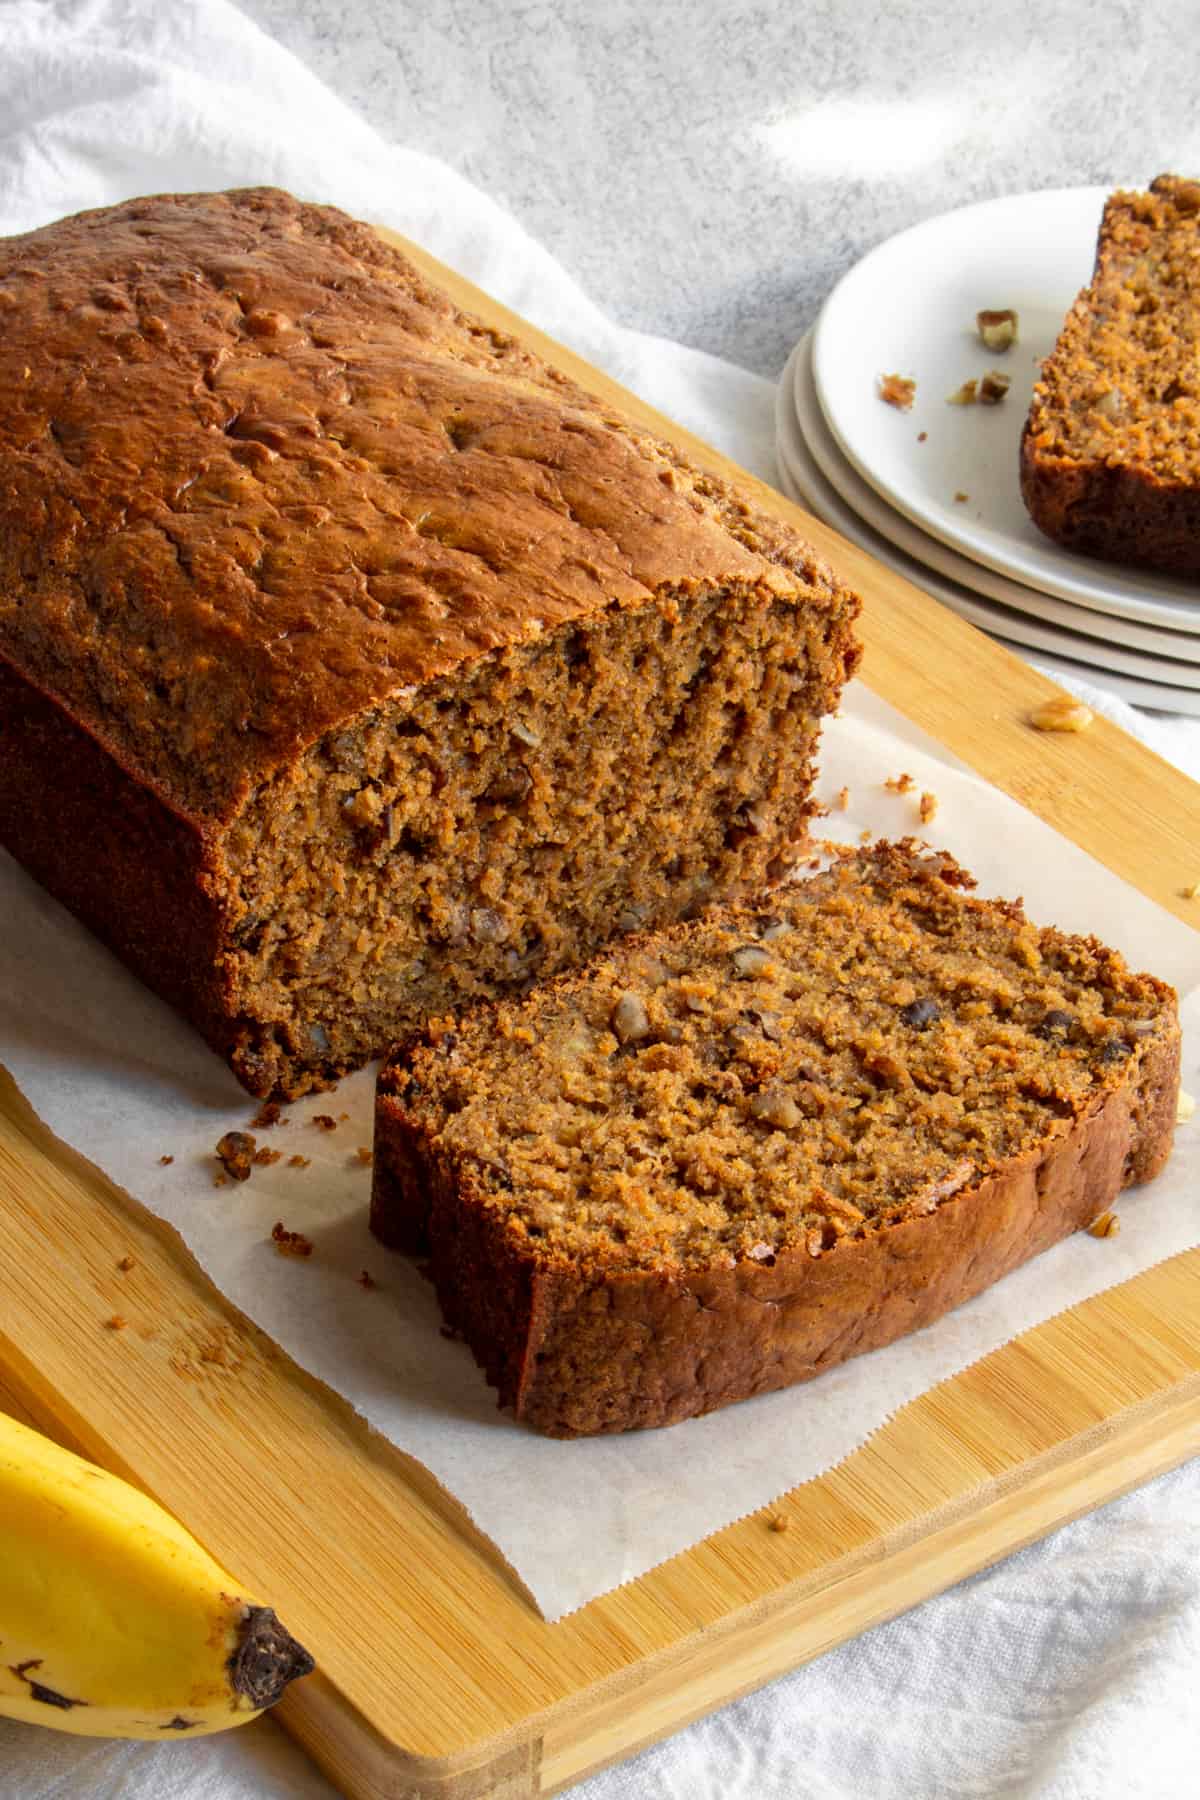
x=909 y=307
x=1087 y=658
x=1183 y=646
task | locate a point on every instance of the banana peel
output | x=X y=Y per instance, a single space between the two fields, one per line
x=114 y=1621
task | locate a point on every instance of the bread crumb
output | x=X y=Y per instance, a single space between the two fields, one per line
x=235 y=1153
x=1191 y=891
x=897 y=390
x=343 y=1117
x=165 y=1161
x=900 y=784
x=265 y=1157
x=268 y=1115
x=220 y=1181
x=325 y=1121
x=1107 y=1225
x=842 y=799
x=964 y=395
x=993 y=388
x=960 y=499
x=365 y=1155
x=864 y=837
x=299 y=1162
x=126 y=1263
x=116 y=1323
x=928 y=808
x=367 y=1281
x=290 y=1243
x=922 y=436
x=1185 y=1106
x=1062 y=713
x=780 y=1522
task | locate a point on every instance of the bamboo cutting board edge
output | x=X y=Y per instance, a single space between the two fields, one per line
x=548 y=1703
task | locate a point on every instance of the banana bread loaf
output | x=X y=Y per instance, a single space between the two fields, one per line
x=353 y=662
x=1110 y=455
x=732 y=1153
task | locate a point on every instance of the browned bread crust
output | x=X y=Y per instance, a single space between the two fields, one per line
x=637 y=1331
x=271 y=510
x=1110 y=453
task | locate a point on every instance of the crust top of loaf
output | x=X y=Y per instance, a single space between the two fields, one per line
x=257 y=476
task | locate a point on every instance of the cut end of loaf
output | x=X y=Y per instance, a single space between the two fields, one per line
x=492 y=829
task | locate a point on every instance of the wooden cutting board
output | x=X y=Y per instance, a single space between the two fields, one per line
x=437 y=1676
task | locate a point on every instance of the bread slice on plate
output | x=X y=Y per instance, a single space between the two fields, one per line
x=728 y=1155
x=1110 y=455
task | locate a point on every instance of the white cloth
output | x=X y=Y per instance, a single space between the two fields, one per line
x=1070 y=1671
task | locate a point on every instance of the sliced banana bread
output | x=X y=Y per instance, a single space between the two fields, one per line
x=1110 y=456
x=730 y=1154
x=353 y=662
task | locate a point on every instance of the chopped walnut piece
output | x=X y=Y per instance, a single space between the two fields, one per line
x=1062 y=713
x=928 y=808
x=993 y=388
x=1110 y=404
x=630 y=1020
x=997 y=327
x=965 y=395
x=235 y=1153
x=897 y=390
x=290 y=1243
x=1185 y=1106
x=1107 y=1225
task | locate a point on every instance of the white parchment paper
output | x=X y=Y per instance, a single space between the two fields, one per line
x=116 y=1075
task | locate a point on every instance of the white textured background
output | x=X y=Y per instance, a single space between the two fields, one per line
x=708 y=168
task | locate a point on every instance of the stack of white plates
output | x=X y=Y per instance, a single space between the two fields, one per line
x=933 y=492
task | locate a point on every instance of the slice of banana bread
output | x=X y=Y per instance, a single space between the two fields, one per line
x=1110 y=456
x=353 y=662
x=732 y=1153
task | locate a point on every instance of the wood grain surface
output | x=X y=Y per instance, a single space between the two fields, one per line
x=437 y=1676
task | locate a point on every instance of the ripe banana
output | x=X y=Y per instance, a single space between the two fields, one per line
x=113 y=1621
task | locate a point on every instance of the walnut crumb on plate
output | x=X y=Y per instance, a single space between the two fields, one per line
x=898 y=391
